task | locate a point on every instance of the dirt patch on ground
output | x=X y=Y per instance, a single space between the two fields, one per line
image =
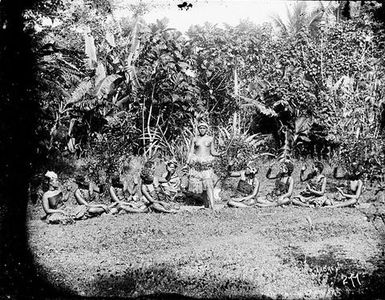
x=277 y=252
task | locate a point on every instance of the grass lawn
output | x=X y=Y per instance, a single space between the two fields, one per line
x=231 y=252
x=287 y=252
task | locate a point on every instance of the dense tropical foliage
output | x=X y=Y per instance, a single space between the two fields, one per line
x=109 y=87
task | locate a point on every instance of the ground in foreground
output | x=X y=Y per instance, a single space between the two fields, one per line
x=279 y=252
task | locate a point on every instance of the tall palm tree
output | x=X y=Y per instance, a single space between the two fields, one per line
x=299 y=19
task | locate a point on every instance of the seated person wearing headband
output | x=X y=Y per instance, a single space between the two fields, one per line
x=247 y=189
x=314 y=193
x=170 y=182
x=53 y=200
x=284 y=183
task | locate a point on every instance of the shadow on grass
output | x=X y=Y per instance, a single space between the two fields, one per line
x=347 y=278
x=163 y=282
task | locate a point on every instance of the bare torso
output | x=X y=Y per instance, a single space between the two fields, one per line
x=55 y=199
x=202 y=148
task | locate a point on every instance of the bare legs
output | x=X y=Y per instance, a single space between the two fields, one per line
x=347 y=203
x=210 y=196
x=263 y=202
x=241 y=204
x=93 y=209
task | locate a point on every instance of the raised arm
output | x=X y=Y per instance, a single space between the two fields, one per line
x=268 y=174
x=335 y=174
x=79 y=198
x=113 y=194
x=302 y=177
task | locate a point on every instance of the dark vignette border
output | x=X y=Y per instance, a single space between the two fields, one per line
x=19 y=110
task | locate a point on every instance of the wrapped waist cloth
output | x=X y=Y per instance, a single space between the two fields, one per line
x=72 y=213
x=199 y=180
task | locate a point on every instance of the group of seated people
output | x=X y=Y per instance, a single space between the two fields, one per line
x=313 y=195
x=127 y=194
x=131 y=194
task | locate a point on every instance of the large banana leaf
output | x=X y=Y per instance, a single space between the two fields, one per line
x=90 y=48
x=302 y=125
x=105 y=87
x=100 y=73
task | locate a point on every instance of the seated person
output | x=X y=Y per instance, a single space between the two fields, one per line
x=85 y=193
x=315 y=188
x=126 y=196
x=170 y=182
x=53 y=203
x=150 y=187
x=351 y=197
x=283 y=189
x=247 y=189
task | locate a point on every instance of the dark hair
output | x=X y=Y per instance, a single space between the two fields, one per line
x=356 y=172
x=148 y=164
x=319 y=166
x=290 y=167
x=172 y=162
x=45 y=183
x=81 y=181
x=115 y=181
x=147 y=174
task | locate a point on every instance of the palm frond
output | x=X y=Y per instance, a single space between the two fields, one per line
x=249 y=102
x=277 y=20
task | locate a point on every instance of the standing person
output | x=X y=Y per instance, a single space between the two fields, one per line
x=284 y=183
x=247 y=188
x=200 y=159
x=354 y=190
x=314 y=193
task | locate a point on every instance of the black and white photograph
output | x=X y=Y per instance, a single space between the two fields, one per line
x=204 y=149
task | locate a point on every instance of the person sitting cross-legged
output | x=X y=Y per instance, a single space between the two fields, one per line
x=247 y=188
x=85 y=193
x=354 y=190
x=284 y=183
x=314 y=193
x=170 y=182
x=150 y=190
x=126 y=196
x=53 y=200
